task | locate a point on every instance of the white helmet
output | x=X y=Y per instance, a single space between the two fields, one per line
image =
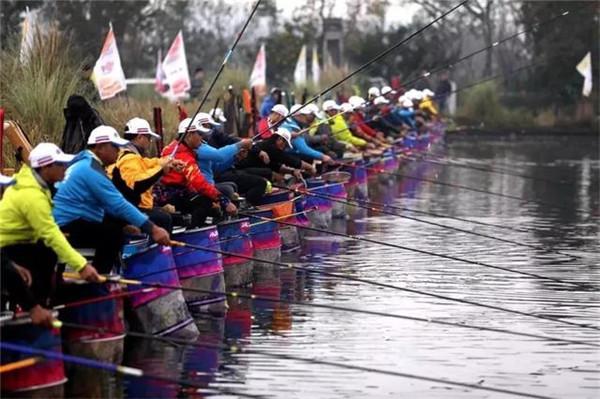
x=380 y=100
x=374 y=92
x=280 y=109
x=346 y=107
x=330 y=105
x=387 y=90
x=356 y=102
x=217 y=113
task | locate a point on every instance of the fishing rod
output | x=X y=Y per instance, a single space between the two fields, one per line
x=375 y=283
x=444 y=256
x=236 y=294
x=370 y=62
x=474 y=189
x=488 y=170
x=216 y=77
x=114 y=368
x=444 y=226
x=238 y=349
x=495 y=44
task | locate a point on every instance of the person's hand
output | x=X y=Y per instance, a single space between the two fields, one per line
x=370 y=146
x=41 y=317
x=160 y=235
x=169 y=208
x=90 y=274
x=327 y=159
x=230 y=208
x=24 y=273
x=264 y=157
x=246 y=143
x=298 y=174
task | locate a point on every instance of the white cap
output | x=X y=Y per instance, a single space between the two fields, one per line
x=380 y=100
x=193 y=127
x=356 y=102
x=280 y=109
x=47 y=153
x=285 y=134
x=374 y=91
x=387 y=90
x=312 y=109
x=6 y=181
x=217 y=113
x=346 y=107
x=303 y=110
x=417 y=95
x=140 y=126
x=329 y=105
x=428 y=93
x=106 y=134
x=204 y=119
x=407 y=103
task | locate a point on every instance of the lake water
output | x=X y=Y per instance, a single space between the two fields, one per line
x=420 y=349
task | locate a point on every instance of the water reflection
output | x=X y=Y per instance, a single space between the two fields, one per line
x=484 y=358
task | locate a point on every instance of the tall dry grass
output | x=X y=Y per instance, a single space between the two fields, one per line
x=35 y=91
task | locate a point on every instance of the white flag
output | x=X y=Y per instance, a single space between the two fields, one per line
x=27 y=33
x=300 y=70
x=108 y=74
x=585 y=68
x=258 y=77
x=175 y=69
x=316 y=69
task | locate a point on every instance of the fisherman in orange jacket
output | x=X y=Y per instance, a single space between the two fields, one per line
x=134 y=174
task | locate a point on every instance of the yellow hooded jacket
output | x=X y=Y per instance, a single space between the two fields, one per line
x=26 y=217
x=341 y=132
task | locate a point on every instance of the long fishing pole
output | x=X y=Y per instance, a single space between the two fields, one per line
x=488 y=170
x=114 y=368
x=376 y=283
x=473 y=189
x=216 y=77
x=369 y=63
x=444 y=256
x=444 y=226
x=236 y=294
x=495 y=44
x=238 y=349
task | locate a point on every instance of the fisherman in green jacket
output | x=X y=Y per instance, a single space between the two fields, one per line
x=29 y=236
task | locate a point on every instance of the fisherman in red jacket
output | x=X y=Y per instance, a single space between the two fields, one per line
x=187 y=189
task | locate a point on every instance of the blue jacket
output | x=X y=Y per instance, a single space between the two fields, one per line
x=299 y=145
x=211 y=159
x=267 y=105
x=87 y=193
x=406 y=116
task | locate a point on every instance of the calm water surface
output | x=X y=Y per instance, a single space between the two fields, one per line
x=486 y=359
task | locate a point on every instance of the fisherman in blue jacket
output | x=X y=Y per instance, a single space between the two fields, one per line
x=406 y=113
x=216 y=164
x=90 y=209
x=302 y=119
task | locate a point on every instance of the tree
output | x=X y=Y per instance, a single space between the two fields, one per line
x=562 y=44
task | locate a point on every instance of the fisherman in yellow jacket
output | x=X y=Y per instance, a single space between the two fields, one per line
x=427 y=105
x=29 y=236
x=134 y=174
x=339 y=128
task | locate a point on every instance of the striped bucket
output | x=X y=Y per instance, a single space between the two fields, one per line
x=337 y=191
x=201 y=270
x=159 y=311
x=235 y=238
x=266 y=240
x=321 y=217
x=46 y=377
